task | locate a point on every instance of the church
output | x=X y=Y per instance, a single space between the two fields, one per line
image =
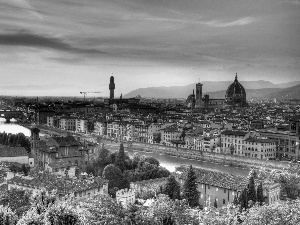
x=235 y=97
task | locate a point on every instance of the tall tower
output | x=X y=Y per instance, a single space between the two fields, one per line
x=199 y=95
x=112 y=88
x=35 y=137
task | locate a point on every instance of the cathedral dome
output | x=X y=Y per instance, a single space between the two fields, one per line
x=236 y=94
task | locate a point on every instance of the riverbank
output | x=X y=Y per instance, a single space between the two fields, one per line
x=223 y=159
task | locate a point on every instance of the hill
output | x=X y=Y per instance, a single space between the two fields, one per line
x=209 y=87
x=287 y=93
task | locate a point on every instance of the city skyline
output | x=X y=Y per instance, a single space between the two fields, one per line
x=62 y=47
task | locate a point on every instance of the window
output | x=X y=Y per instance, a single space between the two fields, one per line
x=208 y=186
x=224 y=190
x=224 y=201
x=217 y=189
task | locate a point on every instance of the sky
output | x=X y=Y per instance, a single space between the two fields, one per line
x=61 y=47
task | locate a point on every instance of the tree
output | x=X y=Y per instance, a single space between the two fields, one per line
x=190 y=192
x=215 y=203
x=260 y=194
x=164 y=211
x=121 y=159
x=62 y=213
x=104 y=210
x=244 y=200
x=251 y=190
x=152 y=160
x=253 y=173
x=17 y=200
x=236 y=200
x=111 y=172
x=136 y=159
x=7 y=216
x=25 y=169
x=116 y=179
x=172 y=188
x=286 y=212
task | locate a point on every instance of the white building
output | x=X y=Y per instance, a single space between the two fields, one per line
x=126 y=197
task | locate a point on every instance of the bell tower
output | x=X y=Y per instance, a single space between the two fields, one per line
x=112 y=87
x=199 y=95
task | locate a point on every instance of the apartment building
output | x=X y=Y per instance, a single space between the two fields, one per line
x=232 y=142
x=287 y=143
x=261 y=148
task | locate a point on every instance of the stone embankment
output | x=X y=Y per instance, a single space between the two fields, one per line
x=225 y=159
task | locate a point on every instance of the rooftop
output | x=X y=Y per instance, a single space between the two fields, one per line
x=234 y=132
x=12 y=151
x=62 y=185
x=216 y=179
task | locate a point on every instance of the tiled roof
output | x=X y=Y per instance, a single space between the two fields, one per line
x=217 y=179
x=12 y=151
x=234 y=132
x=60 y=164
x=62 y=185
x=64 y=141
x=259 y=140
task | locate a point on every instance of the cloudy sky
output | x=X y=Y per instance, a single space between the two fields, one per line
x=61 y=47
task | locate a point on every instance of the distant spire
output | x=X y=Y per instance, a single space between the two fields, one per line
x=236 y=76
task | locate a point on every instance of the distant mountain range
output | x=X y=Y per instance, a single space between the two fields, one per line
x=217 y=89
x=291 y=92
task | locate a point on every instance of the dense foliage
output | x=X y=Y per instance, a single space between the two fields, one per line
x=17 y=200
x=15 y=140
x=120 y=169
x=44 y=209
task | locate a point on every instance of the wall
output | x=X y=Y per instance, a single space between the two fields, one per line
x=18 y=159
x=126 y=197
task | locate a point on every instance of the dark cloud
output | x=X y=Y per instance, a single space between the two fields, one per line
x=39 y=41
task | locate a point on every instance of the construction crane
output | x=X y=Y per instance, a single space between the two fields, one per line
x=85 y=93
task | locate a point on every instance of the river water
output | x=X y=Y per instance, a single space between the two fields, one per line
x=171 y=162
x=166 y=161
x=13 y=128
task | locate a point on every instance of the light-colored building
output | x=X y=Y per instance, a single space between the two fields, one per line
x=100 y=128
x=82 y=125
x=125 y=197
x=170 y=134
x=261 y=148
x=232 y=142
x=287 y=143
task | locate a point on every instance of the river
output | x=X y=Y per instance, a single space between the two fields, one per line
x=171 y=162
x=166 y=161
x=13 y=128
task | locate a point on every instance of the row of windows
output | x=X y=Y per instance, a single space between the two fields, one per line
x=208 y=197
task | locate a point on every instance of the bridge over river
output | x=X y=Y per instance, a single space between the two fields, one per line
x=10 y=114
